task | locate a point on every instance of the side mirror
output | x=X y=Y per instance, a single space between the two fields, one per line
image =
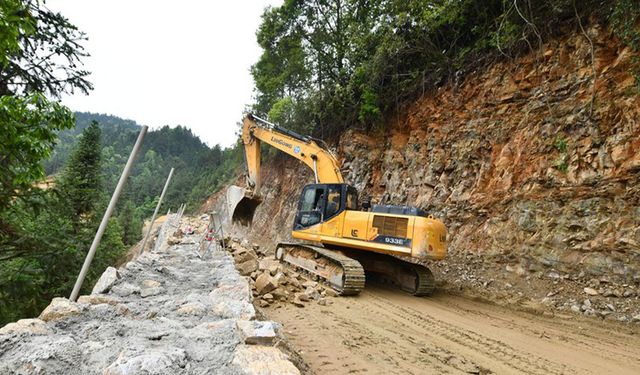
x=366 y=203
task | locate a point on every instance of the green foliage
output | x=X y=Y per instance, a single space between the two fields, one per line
x=199 y=169
x=130 y=223
x=560 y=144
x=40 y=51
x=625 y=16
x=43 y=241
x=562 y=163
x=110 y=251
x=624 y=21
x=29 y=126
x=39 y=55
x=369 y=111
x=282 y=111
x=81 y=182
x=12 y=26
x=353 y=63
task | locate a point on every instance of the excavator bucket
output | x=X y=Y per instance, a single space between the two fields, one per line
x=241 y=205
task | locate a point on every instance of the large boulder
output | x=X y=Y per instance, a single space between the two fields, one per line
x=259 y=360
x=269 y=265
x=59 y=308
x=265 y=283
x=248 y=267
x=243 y=255
x=257 y=332
x=106 y=281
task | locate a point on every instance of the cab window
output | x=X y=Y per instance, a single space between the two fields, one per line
x=352 y=199
x=333 y=201
x=312 y=199
x=310 y=207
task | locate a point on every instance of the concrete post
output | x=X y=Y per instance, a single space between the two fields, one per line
x=107 y=214
x=153 y=218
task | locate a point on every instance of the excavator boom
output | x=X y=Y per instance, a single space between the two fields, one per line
x=242 y=201
x=255 y=130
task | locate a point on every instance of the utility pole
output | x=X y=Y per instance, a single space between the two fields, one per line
x=153 y=218
x=107 y=215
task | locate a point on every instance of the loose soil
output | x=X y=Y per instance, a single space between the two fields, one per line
x=384 y=331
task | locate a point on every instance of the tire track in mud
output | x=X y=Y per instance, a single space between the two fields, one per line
x=393 y=352
x=383 y=331
x=416 y=351
x=497 y=350
x=579 y=332
x=559 y=331
x=402 y=352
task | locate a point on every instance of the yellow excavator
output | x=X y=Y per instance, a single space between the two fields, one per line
x=343 y=238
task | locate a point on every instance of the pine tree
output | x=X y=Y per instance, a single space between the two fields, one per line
x=81 y=181
x=130 y=223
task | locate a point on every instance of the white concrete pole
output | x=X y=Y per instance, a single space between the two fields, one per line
x=107 y=215
x=153 y=218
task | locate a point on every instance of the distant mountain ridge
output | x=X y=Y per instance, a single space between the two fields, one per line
x=198 y=167
x=113 y=128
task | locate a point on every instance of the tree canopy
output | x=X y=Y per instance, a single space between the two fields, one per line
x=330 y=64
x=41 y=51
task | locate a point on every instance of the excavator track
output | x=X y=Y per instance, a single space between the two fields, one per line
x=345 y=275
x=425 y=282
x=403 y=272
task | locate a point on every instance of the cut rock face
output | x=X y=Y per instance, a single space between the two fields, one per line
x=265 y=283
x=257 y=332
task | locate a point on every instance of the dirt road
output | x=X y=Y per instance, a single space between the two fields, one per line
x=383 y=331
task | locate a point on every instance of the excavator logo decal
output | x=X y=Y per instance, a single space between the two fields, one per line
x=296 y=149
x=281 y=142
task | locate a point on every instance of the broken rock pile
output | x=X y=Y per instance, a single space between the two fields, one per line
x=271 y=283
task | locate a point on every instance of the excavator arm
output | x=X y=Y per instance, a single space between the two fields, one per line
x=255 y=130
x=242 y=201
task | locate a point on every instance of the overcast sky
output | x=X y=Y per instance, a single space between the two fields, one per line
x=169 y=62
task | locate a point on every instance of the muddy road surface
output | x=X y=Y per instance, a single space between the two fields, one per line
x=384 y=331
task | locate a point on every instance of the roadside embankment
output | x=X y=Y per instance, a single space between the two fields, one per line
x=169 y=311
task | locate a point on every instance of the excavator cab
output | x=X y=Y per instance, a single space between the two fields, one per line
x=321 y=202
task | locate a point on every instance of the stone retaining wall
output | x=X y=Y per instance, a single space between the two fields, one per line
x=166 y=312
